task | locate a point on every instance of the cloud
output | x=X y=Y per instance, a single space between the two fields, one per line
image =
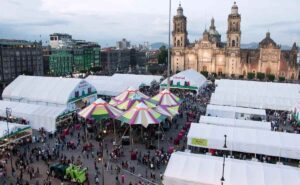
x=106 y=21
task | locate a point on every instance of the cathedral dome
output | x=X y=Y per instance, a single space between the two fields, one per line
x=235 y=9
x=180 y=10
x=266 y=42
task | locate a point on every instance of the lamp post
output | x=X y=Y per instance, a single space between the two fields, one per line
x=169 y=55
x=225 y=146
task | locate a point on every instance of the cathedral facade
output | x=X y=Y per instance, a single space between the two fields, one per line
x=211 y=55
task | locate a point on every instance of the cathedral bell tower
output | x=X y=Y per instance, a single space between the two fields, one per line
x=179 y=29
x=234 y=28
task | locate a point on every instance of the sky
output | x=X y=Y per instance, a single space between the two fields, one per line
x=106 y=21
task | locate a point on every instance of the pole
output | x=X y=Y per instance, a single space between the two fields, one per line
x=168 y=70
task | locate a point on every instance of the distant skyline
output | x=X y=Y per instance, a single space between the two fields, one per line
x=107 y=21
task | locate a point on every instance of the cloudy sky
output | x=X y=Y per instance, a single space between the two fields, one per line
x=105 y=21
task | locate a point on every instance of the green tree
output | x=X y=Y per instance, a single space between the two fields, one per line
x=281 y=79
x=271 y=77
x=260 y=76
x=162 y=56
x=204 y=73
x=250 y=76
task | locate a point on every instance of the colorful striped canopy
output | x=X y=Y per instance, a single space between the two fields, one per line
x=166 y=98
x=130 y=92
x=142 y=115
x=100 y=110
x=134 y=101
x=169 y=111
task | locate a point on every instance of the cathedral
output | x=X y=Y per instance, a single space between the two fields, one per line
x=211 y=55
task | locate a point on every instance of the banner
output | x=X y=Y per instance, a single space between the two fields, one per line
x=199 y=142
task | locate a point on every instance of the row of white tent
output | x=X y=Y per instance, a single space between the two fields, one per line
x=116 y=84
x=229 y=122
x=12 y=127
x=38 y=115
x=194 y=169
x=234 y=112
x=247 y=140
x=253 y=94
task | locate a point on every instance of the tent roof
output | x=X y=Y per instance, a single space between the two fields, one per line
x=241 y=93
x=195 y=169
x=116 y=84
x=246 y=140
x=13 y=127
x=38 y=115
x=236 y=110
x=197 y=80
x=235 y=122
x=41 y=89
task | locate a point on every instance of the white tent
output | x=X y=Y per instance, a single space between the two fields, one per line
x=246 y=140
x=38 y=115
x=234 y=112
x=194 y=169
x=50 y=91
x=192 y=77
x=229 y=122
x=116 y=84
x=13 y=128
x=263 y=95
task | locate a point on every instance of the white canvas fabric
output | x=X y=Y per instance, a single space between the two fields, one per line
x=278 y=144
x=253 y=94
x=41 y=90
x=196 y=79
x=116 y=84
x=195 y=169
x=13 y=127
x=38 y=115
x=231 y=111
x=229 y=122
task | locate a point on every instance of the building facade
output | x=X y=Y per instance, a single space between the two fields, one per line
x=19 y=57
x=60 y=40
x=82 y=58
x=123 y=44
x=211 y=55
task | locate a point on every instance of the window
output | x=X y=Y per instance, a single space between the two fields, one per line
x=268 y=71
x=89 y=90
x=233 y=43
x=178 y=43
x=76 y=94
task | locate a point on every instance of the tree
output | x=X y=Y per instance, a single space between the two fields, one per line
x=250 y=76
x=204 y=73
x=281 y=79
x=271 y=77
x=162 y=56
x=260 y=76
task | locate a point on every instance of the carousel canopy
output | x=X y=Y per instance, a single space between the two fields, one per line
x=129 y=93
x=169 y=111
x=100 y=110
x=167 y=98
x=142 y=115
x=133 y=101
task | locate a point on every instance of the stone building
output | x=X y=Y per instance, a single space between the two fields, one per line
x=212 y=55
x=19 y=57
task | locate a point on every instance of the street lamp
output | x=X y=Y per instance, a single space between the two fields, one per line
x=225 y=145
x=169 y=55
